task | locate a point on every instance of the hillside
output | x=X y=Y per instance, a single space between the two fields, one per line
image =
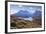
x=17 y=23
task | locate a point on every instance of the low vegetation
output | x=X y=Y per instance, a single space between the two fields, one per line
x=17 y=23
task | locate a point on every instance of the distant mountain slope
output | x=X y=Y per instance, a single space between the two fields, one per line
x=22 y=13
x=37 y=13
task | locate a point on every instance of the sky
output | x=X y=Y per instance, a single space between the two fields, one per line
x=31 y=9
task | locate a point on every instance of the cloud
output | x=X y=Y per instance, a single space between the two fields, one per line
x=16 y=8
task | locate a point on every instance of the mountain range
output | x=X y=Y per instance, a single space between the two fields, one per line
x=26 y=14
